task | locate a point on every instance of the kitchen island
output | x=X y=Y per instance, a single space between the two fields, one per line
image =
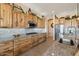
x=21 y=44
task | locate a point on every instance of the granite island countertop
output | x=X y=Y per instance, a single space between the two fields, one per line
x=21 y=36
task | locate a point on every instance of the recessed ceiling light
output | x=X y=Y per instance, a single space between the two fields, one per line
x=44 y=14
x=53 y=12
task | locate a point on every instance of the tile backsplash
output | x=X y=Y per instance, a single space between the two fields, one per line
x=8 y=33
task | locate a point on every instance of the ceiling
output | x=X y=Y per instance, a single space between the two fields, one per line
x=50 y=9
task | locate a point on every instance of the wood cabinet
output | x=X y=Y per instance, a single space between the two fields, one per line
x=62 y=21
x=21 y=44
x=22 y=21
x=41 y=23
x=56 y=21
x=5 y=15
x=74 y=22
x=35 y=19
x=13 y=17
x=7 y=48
x=30 y=17
x=24 y=44
x=18 y=19
x=67 y=23
x=15 y=20
x=77 y=23
x=26 y=20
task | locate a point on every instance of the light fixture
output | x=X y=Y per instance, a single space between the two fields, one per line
x=78 y=18
x=43 y=14
x=53 y=12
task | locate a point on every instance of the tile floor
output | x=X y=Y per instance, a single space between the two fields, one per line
x=60 y=49
x=49 y=48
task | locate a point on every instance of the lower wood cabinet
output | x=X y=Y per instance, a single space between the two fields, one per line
x=21 y=44
x=6 y=48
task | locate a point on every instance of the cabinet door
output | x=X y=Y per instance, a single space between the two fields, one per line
x=1 y=11
x=29 y=16
x=26 y=21
x=6 y=15
x=6 y=48
x=15 y=22
x=35 y=19
x=74 y=22
x=22 y=20
x=19 y=19
x=1 y=15
x=62 y=21
x=41 y=23
x=67 y=23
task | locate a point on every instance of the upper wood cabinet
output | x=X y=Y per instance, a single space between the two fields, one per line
x=5 y=15
x=41 y=23
x=74 y=22
x=15 y=23
x=23 y=20
x=35 y=19
x=62 y=21
x=12 y=16
x=30 y=17
x=56 y=21
x=18 y=18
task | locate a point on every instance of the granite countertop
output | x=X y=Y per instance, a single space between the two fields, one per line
x=60 y=49
x=21 y=36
